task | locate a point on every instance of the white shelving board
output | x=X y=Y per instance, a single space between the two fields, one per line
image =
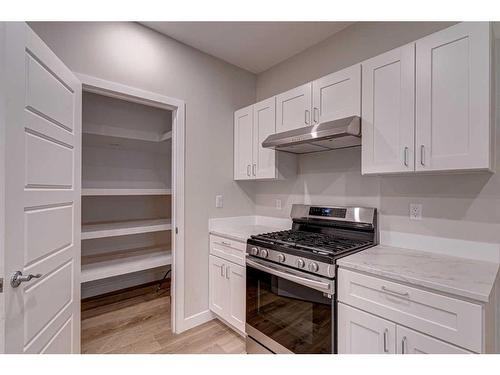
x=108 y=192
x=96 y=267
x=123 y=228
x=131 y=134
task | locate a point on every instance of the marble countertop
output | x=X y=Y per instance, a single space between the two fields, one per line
x=454 y=275
x=241 y=228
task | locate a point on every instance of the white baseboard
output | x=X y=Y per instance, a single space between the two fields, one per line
x=195 y=320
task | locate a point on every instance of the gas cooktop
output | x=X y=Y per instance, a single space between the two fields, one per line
x=318 y=237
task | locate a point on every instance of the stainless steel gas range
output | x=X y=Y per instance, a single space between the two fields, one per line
x=290 y=289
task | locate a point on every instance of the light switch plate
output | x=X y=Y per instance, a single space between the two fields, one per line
x=415 y=211
x=219 y=201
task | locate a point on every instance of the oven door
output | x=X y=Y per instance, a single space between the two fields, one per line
x=289 y=311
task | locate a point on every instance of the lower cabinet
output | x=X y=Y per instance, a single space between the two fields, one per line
x=363 y=333
x=360 y=332
x=227 y=291
x=409 y=341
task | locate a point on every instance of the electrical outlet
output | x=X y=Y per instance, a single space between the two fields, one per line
x=278 y=204
x=219 y=201
x=415 y=211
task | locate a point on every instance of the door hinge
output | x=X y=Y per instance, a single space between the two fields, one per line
x=1 y=285
x=176 y=230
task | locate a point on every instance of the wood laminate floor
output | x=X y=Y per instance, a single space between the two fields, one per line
x=138 y=321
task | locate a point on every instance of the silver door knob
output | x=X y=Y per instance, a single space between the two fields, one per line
x=18 y=278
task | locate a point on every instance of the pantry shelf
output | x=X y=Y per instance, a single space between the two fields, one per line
x=109 y=264
x=123 y=228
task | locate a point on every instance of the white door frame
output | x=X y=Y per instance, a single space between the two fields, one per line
x=120 y=91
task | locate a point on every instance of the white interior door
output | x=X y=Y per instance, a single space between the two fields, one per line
x=243 y=144
x=453 y=106
x=264 y=119
x=388 y=121
x=337 y=95
x=293 y=108
x=43 y=138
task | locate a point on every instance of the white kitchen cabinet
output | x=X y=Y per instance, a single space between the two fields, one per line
x=218 y=299
x=331 y=97
x=264 y=124
x=427 y=106
x=363 y=333
x=227 y=279
x=252 y=125
x=237 y=295
x=409 y=341
x=453 y=99
x=293 y=108
x=388 y=115
x=337 y=95
x=425 y=321
x=243 y=143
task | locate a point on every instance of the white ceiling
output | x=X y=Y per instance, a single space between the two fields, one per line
x=254 y=46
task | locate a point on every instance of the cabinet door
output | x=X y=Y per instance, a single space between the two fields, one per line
x=411 y=342
x=237 y=289
x=294 y=108
x=363 y=333
x=243 y=143
x=388 y=112
x=264 y=120
x=218 y=290
x=453 y=85
x=337 y=95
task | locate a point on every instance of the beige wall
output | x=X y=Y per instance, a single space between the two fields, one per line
x=131 y=54
x=463 y=206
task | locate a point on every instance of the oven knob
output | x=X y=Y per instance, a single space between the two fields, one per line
x=263 y=253
x=281 y=258
x=313 y=267
x=300 y=263
x=254 y=251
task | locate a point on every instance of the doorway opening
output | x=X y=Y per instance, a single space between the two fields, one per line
x=132 y=209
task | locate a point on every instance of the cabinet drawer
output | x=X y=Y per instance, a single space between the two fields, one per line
x=231 y=250
x=449 y=319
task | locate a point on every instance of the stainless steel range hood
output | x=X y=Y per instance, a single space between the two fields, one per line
x=331 y=135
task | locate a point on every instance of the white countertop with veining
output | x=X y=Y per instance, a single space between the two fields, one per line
x=462 y=277
x=240 y=228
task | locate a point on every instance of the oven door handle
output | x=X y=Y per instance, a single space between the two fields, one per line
x=325 y=287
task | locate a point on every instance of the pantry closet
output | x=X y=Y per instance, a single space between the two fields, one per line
x=127 y=200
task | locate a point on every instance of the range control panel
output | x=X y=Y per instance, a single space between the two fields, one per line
x=328 y=212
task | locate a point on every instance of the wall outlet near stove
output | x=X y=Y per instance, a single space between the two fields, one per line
x=415 y=211
x=278 y=204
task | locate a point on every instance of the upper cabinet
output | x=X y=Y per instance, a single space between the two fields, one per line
x=294 y=108
x=337 y=95
x=450 y=117
x=264 y=124
x=334 y=96
x=243 y=143
x=252 y=125
x=453 y=106
x=388 y=112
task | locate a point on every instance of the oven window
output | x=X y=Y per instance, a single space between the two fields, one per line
x=297 y=317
